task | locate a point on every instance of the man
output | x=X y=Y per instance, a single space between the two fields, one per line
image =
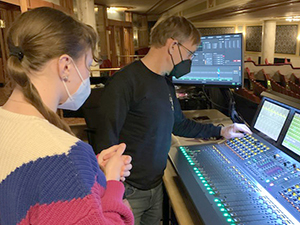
x=139 y=107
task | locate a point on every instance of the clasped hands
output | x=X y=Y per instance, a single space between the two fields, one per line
x=114 y=164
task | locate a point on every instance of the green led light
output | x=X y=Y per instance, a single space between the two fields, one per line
x=229 y=220
x=192 y=164
x=222 y=209
x=225 y=214
x=205 y=185
x=195 y=168
x=211 y=192
x=208 y=188
x=197 y=171
x=216 y=200
x=219 y=204
x=204 y=181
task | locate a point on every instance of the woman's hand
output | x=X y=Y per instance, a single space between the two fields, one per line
x=106 y=155
x=125 y=172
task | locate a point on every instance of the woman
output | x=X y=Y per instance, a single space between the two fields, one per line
x=48 y=176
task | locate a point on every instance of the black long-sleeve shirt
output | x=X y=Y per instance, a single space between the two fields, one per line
x=140 y=108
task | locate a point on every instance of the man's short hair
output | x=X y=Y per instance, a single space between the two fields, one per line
x=177 y=27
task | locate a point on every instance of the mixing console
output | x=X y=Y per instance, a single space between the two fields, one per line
x=245 y=181
x=252 y=180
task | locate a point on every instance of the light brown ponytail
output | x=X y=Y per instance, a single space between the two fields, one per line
x=38 y=36
x=31 y=94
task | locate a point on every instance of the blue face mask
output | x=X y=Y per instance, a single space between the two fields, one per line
x=75 y=101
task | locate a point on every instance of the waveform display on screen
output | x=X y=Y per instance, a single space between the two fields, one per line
x=292 y=137
x=271 y=119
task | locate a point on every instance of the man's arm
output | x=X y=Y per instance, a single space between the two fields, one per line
x=188 y=128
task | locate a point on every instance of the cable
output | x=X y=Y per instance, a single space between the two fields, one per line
x=203 y=90
x=234 y=115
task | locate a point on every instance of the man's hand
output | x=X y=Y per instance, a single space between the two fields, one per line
x=235 y=130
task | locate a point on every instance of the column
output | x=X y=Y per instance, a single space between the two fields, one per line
x=86 y=12
x=268 y=41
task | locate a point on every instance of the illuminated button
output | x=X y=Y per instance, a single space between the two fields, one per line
x=294 y=194
x=297 y=186
x=289 y=189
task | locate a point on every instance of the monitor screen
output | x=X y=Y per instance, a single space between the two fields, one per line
x=271 y=119
x=292 y=138
x=218 y=61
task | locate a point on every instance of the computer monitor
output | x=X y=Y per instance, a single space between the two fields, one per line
x=218 y=62
x=292 y=139
x=271 y=119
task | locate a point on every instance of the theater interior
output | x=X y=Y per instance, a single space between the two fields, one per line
x=246 y=70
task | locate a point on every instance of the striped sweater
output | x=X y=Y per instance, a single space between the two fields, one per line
x=47 y=176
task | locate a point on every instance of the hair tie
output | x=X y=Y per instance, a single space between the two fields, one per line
x=17 y=52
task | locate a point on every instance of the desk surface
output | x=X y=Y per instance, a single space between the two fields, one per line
x=184 y=209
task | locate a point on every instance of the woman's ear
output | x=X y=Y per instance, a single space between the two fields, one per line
x=171 y=44
x=64 y=63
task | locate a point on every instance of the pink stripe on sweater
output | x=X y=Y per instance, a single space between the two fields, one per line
x=100 y=207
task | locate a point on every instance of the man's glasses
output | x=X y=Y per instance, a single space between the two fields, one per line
x=191 y=54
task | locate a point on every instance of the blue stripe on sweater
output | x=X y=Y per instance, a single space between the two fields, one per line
x=50 y=179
